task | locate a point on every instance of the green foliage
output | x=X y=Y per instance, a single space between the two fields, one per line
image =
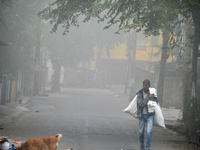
x=151 y=16
x=19 y=32
x=148 y=15
x=66 y=12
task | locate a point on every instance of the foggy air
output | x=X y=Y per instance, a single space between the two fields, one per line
x=99 y=75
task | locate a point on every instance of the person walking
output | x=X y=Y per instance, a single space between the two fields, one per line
x=145 y=117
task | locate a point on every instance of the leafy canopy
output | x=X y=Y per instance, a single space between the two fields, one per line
x=127 y=14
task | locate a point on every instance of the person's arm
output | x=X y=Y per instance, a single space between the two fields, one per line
x=140 y=101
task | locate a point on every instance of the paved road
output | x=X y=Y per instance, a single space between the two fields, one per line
x=88 y=120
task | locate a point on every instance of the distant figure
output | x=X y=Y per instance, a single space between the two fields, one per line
x=145 y=117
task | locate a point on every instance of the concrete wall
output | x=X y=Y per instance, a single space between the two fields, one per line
x=173 y=92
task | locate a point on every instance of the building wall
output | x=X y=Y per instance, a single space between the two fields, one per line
x=148 y=52
x=148 y=49
x=173 y=92
x=147 y=55
x=118 y=52
x=115 y=70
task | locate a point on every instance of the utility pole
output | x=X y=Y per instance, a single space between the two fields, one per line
x=132 y=75
x=36 y=84
x=129 y=57
x=44 y=72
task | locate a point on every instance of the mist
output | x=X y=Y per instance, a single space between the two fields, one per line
x=87 y=56
x=48 y=47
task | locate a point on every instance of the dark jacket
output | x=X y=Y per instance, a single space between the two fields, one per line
x=141 y=103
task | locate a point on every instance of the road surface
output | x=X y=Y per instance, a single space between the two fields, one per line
x=88 y=119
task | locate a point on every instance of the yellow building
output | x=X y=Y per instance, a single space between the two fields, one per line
x=147 y=49
x=148 y=53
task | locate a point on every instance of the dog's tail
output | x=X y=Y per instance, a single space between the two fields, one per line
x=58 y=136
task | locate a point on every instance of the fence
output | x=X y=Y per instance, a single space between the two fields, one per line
x=8 y=88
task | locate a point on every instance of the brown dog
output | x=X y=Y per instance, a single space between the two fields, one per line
x=43 y=143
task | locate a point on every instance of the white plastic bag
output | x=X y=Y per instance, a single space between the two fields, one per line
x=151 y=106
x=158 y=117
x=132 y=108
x=153 y=91
x=4 y=146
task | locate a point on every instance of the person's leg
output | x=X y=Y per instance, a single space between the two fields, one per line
x=141 y=129
x=149 y=131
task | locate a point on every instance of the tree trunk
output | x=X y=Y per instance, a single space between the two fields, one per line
x=163 y=61
x=193 y=97
x=36 y=84
x=56 y=77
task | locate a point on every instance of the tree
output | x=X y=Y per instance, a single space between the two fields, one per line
x=19 y=23
x=67 y=51
x=194 y=7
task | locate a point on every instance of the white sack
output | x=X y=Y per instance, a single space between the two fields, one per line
x=151 y=106
x=158 y=117
x=132 y=108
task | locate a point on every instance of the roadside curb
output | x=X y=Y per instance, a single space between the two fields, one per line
x=25 y=100
x=12 y=110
